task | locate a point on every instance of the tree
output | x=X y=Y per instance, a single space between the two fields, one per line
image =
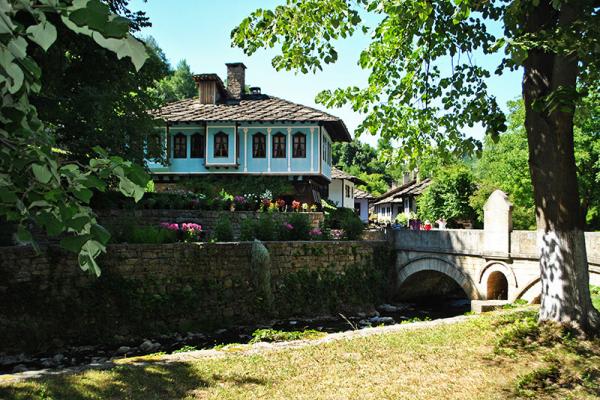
x=179 y=85
x=503 y=165
x=424 y=86
x=36 y=183
x=448 y=196
x=86 y=105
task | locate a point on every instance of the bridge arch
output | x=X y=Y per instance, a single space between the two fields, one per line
x=498 y=281
x=440 y=265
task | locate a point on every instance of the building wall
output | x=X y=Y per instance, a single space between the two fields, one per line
x=338 y=193
x=364 y=209
x=316 y=162
x=47 y=302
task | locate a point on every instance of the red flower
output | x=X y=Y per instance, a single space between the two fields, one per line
x=296 y=205
x=280 y=203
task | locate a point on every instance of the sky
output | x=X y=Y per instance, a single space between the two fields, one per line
x=199 y=32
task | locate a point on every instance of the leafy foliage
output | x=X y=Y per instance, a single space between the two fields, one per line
x=223 y=231
x=448 y=196
x=178 y=85
x=37 y=185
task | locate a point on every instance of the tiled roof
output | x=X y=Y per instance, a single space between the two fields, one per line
x=412 y=188
x=252 y=108
x=361 y=194
x=339 y=174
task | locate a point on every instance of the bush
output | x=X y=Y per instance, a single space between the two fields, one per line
x=353 y=227
x=264 y=229
x=334 y=218
x=223 y=230
x=150 y=234
x=300 y=228
x=402 y=219
x=248 y=230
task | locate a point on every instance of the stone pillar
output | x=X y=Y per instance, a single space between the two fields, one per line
x=497 y=225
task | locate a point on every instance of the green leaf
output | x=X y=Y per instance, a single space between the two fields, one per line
x=44 y=34
x=129 y=46
x=41 y=173
x=74 y=243
x=93 y=15
x=83 y=194
x=100 y=233
x=23 y=235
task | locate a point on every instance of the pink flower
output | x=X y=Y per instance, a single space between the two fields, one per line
x=315 y=232
x=295 y=205
x=288 y=226
x=191 y=227
x=170 y=226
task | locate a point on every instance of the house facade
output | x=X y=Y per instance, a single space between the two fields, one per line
x=399 y=200
x=227 y=131
x=341 y=188
x=362 y=204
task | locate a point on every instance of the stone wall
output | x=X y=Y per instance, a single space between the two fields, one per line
x=46 y=301
x=208 y=219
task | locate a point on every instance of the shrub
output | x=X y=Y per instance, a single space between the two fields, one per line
x=265 y=228
x=150 y=234
x=402 y=219
x=223 y=230
x=352 y=226
x=334 y=218
x=300 y=227
x=247 y=229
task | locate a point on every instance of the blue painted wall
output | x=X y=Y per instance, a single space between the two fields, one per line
x=318 y=143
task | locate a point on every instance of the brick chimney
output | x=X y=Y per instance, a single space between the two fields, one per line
x=236 y=79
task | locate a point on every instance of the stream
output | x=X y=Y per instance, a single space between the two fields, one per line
x=386 y=314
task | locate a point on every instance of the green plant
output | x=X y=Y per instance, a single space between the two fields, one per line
x=296 y=228
x=151 y=234
x=185 y=349
x=272 y=335
x=352 y=226
x=265 y=229
x=247 y=229
x=223 y=231
x=402 y=219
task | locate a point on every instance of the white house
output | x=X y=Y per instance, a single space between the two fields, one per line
x=362 y=202
x=401 y=199
x=341 y=188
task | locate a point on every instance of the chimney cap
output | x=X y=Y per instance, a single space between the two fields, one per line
x=236 y=64
x=255 y=90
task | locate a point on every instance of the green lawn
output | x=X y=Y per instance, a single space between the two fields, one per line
x=496 y=356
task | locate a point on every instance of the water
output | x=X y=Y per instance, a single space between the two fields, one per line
x=386 y=315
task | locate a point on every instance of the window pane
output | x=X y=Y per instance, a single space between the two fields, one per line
x=180 y=146
x=279 y=146
x=221 y=145
x=258 y=145
x=299 y=146
x=197 y=146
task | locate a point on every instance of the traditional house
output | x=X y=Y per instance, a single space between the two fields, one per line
x=341 y=188
x=401 y=199
x=227 y=131
x=362 y=203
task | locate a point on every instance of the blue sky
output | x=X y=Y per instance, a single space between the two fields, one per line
x=199 y=31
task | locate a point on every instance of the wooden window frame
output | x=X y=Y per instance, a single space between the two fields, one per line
x=255 y=149
x=279 y=143
x=298 y=145
x=221 y=146
x=179 y=141
x=198 y=145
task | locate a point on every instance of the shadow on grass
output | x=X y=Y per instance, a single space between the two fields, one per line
x=152 y=381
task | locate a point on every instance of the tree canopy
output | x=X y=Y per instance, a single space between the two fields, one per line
x=178 y=85
x=425 y=87
x=37 y=184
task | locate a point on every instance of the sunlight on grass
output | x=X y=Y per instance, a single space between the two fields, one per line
x=459 y=361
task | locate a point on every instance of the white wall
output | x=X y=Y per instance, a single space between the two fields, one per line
x=364 y=209
x=337 y=193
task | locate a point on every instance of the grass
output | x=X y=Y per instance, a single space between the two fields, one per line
x=500 y=355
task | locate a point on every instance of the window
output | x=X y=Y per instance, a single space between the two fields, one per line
x=197 y=146
x=259 y=145
x=324 y=150
x=279 y=145
x=347 y=191
x=299 y=145
x=154 y=146
x=221 y=145
x=180 y=146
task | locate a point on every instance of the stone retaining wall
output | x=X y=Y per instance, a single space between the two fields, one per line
x=47 y=302
x=208 y=219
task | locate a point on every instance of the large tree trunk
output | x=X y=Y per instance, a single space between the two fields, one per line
x=563 y=261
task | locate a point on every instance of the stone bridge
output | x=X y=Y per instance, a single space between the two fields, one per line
x=493 y=263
